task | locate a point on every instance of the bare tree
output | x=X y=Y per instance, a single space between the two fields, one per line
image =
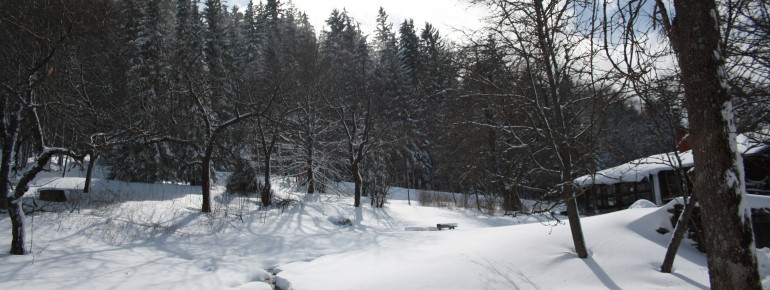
x=308 y=131
x=33 y=37
x=550 y=49
x=213 y=130
x=356 y=122
x=347 y=92
x=709 y=85
x=745 y=27
x=23 y=114
x=718 y=181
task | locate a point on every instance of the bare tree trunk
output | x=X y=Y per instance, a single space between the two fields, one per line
x=206 y=180
x=406 y=175
x=372 y=193
x=678 y=235
x=576 y=228
x=90 y=171
x=16 y=214
x=64 y=168
x=267 y=196
x=310 y=177
x=9 y=139
x=17 y=227
x=357 y=181
x=727 y=227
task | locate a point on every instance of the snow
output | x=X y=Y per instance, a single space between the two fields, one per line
x=153 y=236
x=757 y=201
x=643 y=203
x=639 y=169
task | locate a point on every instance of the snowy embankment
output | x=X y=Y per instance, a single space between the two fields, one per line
x=133 y=236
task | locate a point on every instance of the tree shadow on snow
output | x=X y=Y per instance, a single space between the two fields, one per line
x=690 y=281
x=499 y=275
x=600 y=273
x=646 y=227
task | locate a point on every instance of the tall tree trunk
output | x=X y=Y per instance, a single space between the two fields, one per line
x=406 y=181
x=576 y=228
x=678 y=235
x=357 y=181
x=9 y=134
x=568 y=191
x=267 y=197
x=5 y=171
x=718 y=181
x=90 y=171
x=17 y=227
x=310 y=177
x=206 y=181
x=64 y=168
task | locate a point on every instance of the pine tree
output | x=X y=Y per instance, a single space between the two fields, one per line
x=215 y=46
x=250 y=34
x=148 y=88
x=409 y=50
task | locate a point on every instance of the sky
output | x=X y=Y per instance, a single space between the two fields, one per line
x=448 y=16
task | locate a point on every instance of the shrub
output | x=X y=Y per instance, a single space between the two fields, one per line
x=438 y=199
x=244 y=180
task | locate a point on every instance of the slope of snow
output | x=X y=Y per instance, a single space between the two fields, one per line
x=625 y=252
x=153 y=236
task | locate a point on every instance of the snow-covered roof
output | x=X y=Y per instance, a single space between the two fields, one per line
x=639 y=169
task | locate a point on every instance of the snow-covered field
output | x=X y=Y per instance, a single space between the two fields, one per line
x=153 y=236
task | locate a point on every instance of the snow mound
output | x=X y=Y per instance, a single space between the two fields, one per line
x=643 y=203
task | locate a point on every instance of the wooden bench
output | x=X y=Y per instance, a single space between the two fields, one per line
x=450 y=226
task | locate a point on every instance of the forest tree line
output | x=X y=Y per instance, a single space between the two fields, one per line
x=157 y=90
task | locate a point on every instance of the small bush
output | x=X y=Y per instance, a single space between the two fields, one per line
x=244 y=180
x=283 y=203
x=341 y=221
x=438 y=199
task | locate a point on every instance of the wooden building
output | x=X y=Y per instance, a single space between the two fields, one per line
x=662 y=177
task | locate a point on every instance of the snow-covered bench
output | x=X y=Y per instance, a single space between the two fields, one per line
x=450 y=226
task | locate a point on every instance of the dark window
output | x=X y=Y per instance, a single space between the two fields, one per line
x=671 y=185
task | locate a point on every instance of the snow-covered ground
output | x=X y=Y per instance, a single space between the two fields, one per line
x=153 y=236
